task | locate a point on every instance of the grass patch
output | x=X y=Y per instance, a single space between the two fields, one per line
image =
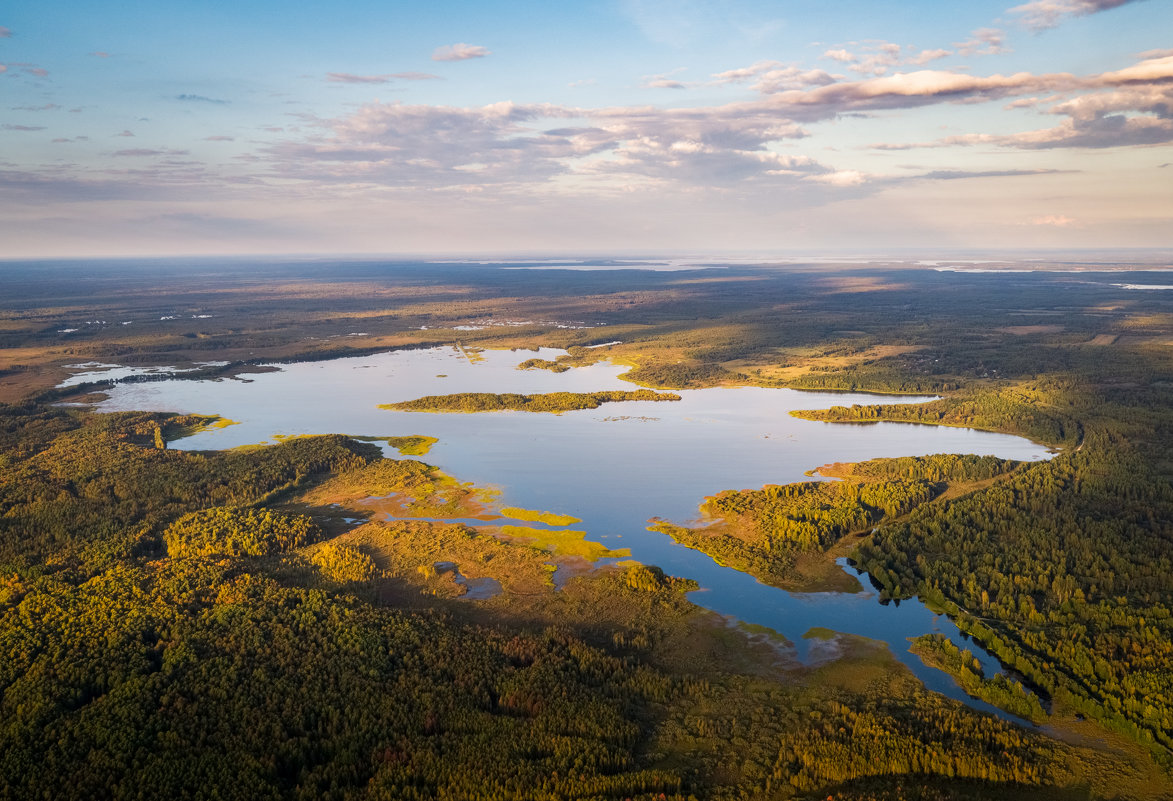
x=415 y=445
x=531 y=516
x=562 y=543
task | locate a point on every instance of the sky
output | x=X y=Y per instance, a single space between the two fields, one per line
x=616 y=126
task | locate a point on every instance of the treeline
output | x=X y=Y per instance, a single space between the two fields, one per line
x=938 y=467
x=1063 y=568
x=200 y=679
x=208 y=674
x=1031 y=411
x=871 y=376
x=938 y=651
x=547 y=402
x=682 y=375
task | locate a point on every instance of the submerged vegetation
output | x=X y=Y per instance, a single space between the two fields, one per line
x=554 y=402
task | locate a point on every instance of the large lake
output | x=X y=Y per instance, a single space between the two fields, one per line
x=615 y=467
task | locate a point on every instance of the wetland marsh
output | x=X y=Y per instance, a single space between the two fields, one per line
x=615 y=468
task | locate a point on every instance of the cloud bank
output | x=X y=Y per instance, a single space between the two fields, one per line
x=1040 y=15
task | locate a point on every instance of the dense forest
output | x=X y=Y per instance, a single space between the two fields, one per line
x=1064 y=572
x=765 y=532
x=222 y=648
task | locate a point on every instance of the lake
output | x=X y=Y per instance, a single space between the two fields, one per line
x=615 y=467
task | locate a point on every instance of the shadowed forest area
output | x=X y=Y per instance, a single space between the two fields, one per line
x=174 y=620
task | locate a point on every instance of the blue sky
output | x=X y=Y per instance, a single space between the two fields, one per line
x=622 y=125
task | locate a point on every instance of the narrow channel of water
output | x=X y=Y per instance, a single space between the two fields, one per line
x=614 y=467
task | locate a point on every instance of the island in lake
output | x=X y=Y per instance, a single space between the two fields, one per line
x=551 y=402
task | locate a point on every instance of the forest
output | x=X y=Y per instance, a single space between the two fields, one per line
x=765 y=532
x=229 y=648
x=174 y=620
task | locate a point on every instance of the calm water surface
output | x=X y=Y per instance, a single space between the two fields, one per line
x=615 y=467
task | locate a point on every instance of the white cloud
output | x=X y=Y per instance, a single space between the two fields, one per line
x=346 y=77
x=875 y=57
x=1053 y=221
x=1042 y=14
x=925 y=56
x=983 y=42
x=459 y=52
x=840 y=178
x=729 y=145
x=840 y=55
x=1123 y=108
x=773 y=76
x=665 y=81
